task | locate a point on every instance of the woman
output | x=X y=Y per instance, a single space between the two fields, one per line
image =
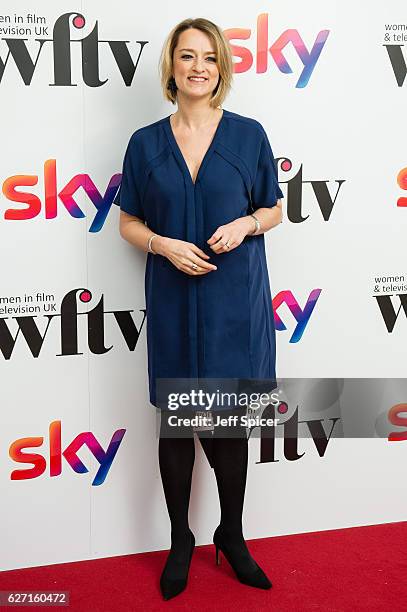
x=190 y=182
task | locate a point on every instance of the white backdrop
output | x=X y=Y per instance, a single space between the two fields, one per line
x=342 y=129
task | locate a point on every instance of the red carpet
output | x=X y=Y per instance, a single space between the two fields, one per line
x=359 y=568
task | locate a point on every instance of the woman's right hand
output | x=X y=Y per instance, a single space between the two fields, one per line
x=182 y=254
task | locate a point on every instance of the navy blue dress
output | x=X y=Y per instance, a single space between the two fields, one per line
x=220 y=324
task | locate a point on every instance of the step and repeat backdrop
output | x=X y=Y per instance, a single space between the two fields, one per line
x=79 y=467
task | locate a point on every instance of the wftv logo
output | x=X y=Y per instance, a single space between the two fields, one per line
x=101 y=202
x=398 y=63
x=104 y=458
x=290 y=425
x=61 y=48
x=68 y=322
x=295 y=189
x=388 y=311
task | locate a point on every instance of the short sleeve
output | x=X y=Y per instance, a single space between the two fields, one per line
x=128 y=196
x=265 y=190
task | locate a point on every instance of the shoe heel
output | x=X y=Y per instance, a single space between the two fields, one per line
x=256 y=578
x=217 y=555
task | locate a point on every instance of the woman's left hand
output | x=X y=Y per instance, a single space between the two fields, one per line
x=228 y=237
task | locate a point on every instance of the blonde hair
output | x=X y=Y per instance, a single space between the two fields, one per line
x=223 y=59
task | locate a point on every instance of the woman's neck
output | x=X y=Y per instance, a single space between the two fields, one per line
x=195 y=117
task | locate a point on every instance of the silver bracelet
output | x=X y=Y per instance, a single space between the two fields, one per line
x=258 y=226
x=149 y=244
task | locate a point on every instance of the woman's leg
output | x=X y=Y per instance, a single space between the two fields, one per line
x=176 y=454
x=230 y=458
x=176 y=460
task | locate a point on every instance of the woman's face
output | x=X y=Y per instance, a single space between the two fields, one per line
x=194 y=56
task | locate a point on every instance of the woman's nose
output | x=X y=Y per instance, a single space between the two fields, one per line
x=198 y=64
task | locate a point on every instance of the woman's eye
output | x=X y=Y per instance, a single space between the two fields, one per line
x=186 y=56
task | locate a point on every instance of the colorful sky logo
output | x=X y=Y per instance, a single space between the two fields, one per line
x=301 y=315
x=397 y=416
x=102 y=202
x=402 y=183
x=39 y=462
x=291 y=36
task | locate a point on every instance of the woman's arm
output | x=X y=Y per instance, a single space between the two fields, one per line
x=134 y=230
x=179 y=252
x=268 y=217
x=233 y=233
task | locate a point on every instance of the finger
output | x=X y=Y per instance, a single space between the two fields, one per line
x=197 y=264
x=223 y=245
x=194 y=272
x=195 y=256
x=215 y=236
x=200 y=263
x=199 y=251
x=218 y=242
x=199 y=268
x=229 y=243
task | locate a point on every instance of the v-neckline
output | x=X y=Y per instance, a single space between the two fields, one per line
x=177 y=148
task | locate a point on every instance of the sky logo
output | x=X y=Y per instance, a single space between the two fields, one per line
x=402 y=183
x=301 y=315
x=276 y=50
x=39 y=462
x=52 y=196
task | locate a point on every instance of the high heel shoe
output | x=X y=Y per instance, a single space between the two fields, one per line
x=174 y=577
x=252 y=574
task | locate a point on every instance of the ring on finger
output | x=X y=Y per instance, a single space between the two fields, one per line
x=194 y=266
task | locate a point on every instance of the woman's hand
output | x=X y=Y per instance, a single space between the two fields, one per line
x=183 y=254
x=231 y=234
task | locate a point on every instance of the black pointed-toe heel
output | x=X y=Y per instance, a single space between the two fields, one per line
x=255 y=578
x=174 y=577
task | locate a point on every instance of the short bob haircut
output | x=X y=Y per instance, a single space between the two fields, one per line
x=224 y=60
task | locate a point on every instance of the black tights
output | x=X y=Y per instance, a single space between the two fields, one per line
x=228 y=457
